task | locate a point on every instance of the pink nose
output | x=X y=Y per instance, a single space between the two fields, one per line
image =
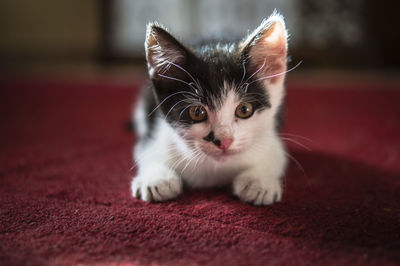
x=225 y=143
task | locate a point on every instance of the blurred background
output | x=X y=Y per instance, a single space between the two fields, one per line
x=99 y=35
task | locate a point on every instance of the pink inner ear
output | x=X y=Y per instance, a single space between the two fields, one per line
x=162 y=49
x=271 y=49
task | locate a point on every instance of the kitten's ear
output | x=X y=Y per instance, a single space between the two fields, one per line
x=162 y=49
x=266 y=48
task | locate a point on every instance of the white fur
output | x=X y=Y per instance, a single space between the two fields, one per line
x=254 y=165
x=255 y=161
x=155 y=179
x=139 y=116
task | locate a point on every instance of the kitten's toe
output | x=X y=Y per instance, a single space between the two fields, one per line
x=147 y=193
x=260 y=198
x=154 y=190
x=170 y=189
x=247 y=190
x=256 y=192
x=140 y=190
x=273 y=195
x=164 y=190
x=135 y=188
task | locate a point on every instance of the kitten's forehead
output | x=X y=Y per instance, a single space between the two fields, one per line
x=224 y=114
x=225 y=71
x=221 y=73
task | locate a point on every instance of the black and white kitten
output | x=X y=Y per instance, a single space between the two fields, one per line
x=210 y=116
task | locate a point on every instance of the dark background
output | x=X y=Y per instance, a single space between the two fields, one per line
x=83 y=35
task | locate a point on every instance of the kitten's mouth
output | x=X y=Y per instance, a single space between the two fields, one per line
x=227 y=152
x=218 y=154
x=223 y=155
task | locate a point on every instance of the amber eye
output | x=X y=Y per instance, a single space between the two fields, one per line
x=244 y=110
x=198 y=113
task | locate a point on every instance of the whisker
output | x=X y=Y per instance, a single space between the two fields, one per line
x=174 y=106
x=201 y=156
x=296 y=142
x=176 y=79
x=176 y=164
x=195 y=89
x=244 y=72
x=193 y=157
x=166 y=98
x=258 y=70
x=143 y=156
x=298 y=136
x=278 y=74
x=185 y=156
x=181 y=68
x=298 y=164
x=199 y=85
x=193 y=104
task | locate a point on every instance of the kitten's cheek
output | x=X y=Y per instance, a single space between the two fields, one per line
x=206 y=149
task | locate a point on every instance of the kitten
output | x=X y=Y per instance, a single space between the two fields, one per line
x=210 y=116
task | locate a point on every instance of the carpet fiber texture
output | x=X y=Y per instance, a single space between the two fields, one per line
x=66 y=166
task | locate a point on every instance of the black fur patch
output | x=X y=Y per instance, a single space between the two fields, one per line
x=210 y=136
x=198 y=77
x=210 y=66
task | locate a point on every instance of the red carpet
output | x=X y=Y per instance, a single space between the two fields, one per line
x=65 y=162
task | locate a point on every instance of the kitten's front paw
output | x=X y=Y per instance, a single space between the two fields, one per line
x=258 y=192
x=156 y=190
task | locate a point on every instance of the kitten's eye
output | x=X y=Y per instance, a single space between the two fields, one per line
x=198 y=113
x=244 y=110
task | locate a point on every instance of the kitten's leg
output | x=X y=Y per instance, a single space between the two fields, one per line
x=155 y=180
x=261 y=182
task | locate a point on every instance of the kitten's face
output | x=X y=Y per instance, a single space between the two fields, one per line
x=229 y=130
x=220 y=98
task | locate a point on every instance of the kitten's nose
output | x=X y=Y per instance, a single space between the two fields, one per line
x=224 y=144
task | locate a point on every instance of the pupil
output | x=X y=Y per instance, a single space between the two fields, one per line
x=197 y=112
x=244 y=109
